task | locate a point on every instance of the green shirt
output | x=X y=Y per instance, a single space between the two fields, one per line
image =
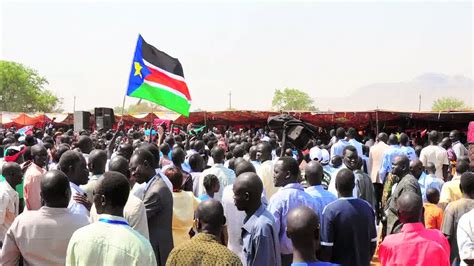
x=108 y=243
x=18 y=188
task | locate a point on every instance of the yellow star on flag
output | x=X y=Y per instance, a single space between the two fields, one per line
x=138 y=69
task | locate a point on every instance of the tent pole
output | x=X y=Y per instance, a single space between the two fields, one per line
x=377 y=120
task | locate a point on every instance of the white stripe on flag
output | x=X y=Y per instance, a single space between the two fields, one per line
x=169 y=74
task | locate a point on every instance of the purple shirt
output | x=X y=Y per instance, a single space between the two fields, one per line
x=281 y=203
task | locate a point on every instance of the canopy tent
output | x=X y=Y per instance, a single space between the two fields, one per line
x=375 y=119
x=361 y=120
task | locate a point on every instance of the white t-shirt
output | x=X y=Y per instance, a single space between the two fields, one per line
x=465 y=236
x=436 y=155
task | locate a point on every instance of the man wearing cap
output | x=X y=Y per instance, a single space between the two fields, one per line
x=319 y=155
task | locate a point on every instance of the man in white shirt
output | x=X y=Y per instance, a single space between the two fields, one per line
x=457 y=146
x=465 y=238
x=265 y=170
x=41 y=236
x=9 y=198
x=436 y=155
x=74 y=166
x=225 y=175
x=134 y=210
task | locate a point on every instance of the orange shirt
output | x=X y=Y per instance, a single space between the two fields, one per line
x=433 y=216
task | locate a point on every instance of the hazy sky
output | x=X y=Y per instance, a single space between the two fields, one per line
x=85 y=48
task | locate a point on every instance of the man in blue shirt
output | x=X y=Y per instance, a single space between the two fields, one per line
x=303 y=230
x=291 y=195
x=389 y=156
x=348 y=234
x=313 y=174
x=260 y=237
x=406 y=148
x=338 y=147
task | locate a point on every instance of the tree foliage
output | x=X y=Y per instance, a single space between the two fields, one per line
x=290 y=99
x=140 y=107
x=22 y=89
x=448 y=104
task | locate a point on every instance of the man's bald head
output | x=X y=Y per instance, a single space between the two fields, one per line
x=401 y=166
x=383 y=137
x=416 y=168
x=303 y=228
x=119 y=164
x=55 y=189
x=97 y=162
x=111 y=193
x=314 y=173
x=12 y=173
x=249 y=183
x=393 y=139
x=36 y=149
x=125 y=150
x=153 y=149
x=410 y=206
x=462 y=166
x=218 y=154
x=345 y=182
x=243 y=167
x=85 y=144
x=39 y=155
x=433 y=137
x=210 y=214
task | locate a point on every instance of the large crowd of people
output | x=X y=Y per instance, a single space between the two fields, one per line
x=234 y=197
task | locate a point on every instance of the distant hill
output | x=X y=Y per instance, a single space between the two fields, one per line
x=403 y=96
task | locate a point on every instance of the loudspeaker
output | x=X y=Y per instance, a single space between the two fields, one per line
x=104 y=118
x=81 y=120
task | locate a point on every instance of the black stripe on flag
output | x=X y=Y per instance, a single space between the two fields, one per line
x=161 y=59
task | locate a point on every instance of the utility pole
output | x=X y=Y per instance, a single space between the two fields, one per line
x=230 y=100
x=419 y=102
x=74 y=105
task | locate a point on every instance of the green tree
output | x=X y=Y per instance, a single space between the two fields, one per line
x=22 y=89
x=139 y=107
x=290 y=99
x=448 y=104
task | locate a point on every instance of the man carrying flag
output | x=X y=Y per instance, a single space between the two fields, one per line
x=159 y=78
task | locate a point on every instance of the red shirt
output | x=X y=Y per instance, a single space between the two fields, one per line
x=415 y=245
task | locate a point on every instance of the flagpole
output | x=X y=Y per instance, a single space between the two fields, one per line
x=123 y=105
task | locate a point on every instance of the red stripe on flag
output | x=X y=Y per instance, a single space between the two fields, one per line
x=161 y=78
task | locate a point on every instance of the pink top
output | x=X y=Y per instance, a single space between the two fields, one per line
x=32 y=187
x=415 y=245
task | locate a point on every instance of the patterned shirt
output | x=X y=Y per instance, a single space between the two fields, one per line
x=203 y=249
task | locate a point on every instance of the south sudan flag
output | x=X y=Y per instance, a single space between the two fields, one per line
x=159 y=78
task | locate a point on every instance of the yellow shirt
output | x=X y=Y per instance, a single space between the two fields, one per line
x=184 y=205
x=104 y=243
x=451 y=191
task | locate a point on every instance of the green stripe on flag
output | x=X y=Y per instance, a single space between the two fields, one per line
x=162 y=97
